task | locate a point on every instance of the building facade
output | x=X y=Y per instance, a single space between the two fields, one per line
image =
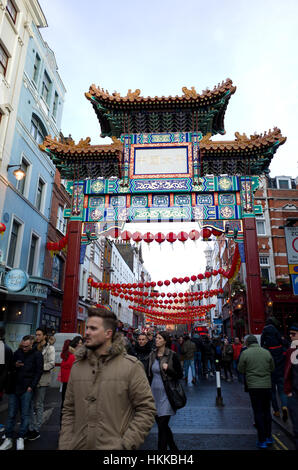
x=26 y=210
x=16 y=20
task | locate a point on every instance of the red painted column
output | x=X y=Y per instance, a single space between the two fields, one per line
x=254 y=294
x=71 y=283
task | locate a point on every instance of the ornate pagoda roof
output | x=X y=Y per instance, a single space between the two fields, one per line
x=135 y=113
x=83 y=159
x=244 y=155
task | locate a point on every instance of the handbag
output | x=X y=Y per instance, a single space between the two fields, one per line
x=175 y=393
x=174 y=390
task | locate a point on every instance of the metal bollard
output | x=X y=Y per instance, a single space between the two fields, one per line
x=219 y=400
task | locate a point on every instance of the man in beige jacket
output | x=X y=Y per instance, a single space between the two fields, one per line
x=108 y=402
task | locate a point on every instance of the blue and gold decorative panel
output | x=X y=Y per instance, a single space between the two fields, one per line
x=161 y=185
x=227 y=199
x=96 y=201
x=203 y=199
x=118 y=201
x=182 y=200
x=161 y=201
x=139 y=201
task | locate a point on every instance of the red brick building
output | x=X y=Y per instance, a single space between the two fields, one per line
x=279 y=198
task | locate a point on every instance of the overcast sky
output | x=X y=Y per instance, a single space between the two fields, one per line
x=159 y=46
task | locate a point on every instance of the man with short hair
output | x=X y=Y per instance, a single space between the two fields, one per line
x=291 y=379
x=27 y=367
x=257 y=365
x=143 y=349
x=108 y=402
x=37 y=404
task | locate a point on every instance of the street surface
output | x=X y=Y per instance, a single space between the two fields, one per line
x=201 y=425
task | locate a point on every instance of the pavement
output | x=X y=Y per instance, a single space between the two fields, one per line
x=200 y=425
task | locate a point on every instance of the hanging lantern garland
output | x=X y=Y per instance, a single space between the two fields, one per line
x=55 y=247
x=171 y=237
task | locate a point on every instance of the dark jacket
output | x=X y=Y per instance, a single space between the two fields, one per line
x=27 y=375
x=174 y=370
x=142 y=353
x=291 y=370
x=227 y=353
x=271 y=339
x=198 y=342
x=208 y=348
x=5 y=368
x=188 y=350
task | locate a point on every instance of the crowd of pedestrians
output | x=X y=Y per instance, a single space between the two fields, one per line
x=116 y=382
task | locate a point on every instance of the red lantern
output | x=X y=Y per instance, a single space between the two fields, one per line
x=159 y=237
x=160 y=283
x=167 y=282
x=115 y=232
x=206 y=232
x=2 y=229
x=171 y=237
x=126 y=235
x=148 y=237
x=182 y=237
x=174 y=280
x=193 y=278
x=137 y=237
x=186 y=279
x=216 y=233
x=194 y=235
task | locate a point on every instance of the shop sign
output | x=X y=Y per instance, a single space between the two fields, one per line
x=16 y=280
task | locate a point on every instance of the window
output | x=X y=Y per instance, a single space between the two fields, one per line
x=36 y=68
x=57 y=272
x=283 y=183
x=13 y=243
x=46 y=86
x=39 y=195
x=3 y=61
x=61 y=222
x=96 y=255
x=11 y=9
x=21 y=183
x=32 y=254
x=261 y=229
x=37 y=131
x=264 y=268
x=55 y=105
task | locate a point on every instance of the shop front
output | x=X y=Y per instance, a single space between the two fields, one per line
x=20 y=304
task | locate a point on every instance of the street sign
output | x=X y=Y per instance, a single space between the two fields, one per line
x=293 y=268
x=291 y=234
x=295 y=283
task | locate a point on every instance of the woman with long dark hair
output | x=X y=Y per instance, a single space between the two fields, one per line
x=163 y=364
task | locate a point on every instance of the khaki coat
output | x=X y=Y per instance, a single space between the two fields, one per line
x=108 y=402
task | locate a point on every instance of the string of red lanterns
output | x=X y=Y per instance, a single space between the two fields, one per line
x=160 y=237
x=56 y=247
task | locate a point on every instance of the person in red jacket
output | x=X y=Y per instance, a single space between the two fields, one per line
x=68 y=359
x=291 y=379
x=237 y=346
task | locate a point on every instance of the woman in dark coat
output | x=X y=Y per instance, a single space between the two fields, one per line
x=163 y=364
